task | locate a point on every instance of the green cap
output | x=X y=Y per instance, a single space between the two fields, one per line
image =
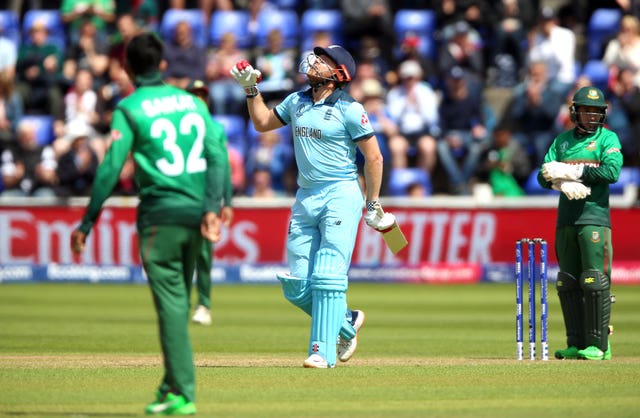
x=589 y=96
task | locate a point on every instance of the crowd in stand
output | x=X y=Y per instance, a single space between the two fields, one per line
x=426 y=96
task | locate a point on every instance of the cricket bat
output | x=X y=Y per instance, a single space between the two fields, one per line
x=393 y=236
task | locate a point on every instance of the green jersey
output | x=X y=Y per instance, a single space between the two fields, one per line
x=602 y=159
x=181 y=162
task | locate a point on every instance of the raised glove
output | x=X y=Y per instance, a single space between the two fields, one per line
x=247 y=76
x=377 y=218
x=555 y=170
x=572 y=189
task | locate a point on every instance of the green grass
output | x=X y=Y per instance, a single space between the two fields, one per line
x=89 y=350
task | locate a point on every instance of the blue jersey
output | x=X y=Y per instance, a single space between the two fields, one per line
x=324 y=135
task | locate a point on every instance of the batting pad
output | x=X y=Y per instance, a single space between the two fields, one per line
x=297 y=291
x=328 y=314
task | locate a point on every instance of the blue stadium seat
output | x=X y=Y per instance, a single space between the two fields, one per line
x=401 y=178
x=320 y=20
x=602 y=26
x=52 y=20
x=420 y=23
x=234 y=21
x=195 y=17
x=285 y=20
x=43 y=125
x=10 y=26
x=235 y=128
x=598 y=73
x=628 y=175
x=285 y=4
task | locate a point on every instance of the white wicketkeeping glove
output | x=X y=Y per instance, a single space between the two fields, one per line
x=572 y=189
x=247 y=76
x=555 y=170
x=377 y=218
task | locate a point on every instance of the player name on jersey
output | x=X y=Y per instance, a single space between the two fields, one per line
x=168 y=104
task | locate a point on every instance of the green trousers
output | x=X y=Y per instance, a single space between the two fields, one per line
x=168 y=255
x=203 y=274
x=584 y=247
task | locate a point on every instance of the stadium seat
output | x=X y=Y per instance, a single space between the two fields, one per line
x=43 y=125
x=419 y=23
x=598 y=73
x=532 y=187
x=320 y=20
x=52 y=20
x=235 y=128
x=234 y=21
x=195 y=17
x=401 y=178
x=286 y=4
x=285 y=20
x=602 y=26
x=628 y=175
x=10 y=26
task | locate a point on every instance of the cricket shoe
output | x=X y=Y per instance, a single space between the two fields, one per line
x=346 y=348
x=170 y=404
x=202 y=315
x=594 y=353
x=569 y=353
x=315 y=361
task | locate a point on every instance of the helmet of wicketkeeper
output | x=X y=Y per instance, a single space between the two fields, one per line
x=342 y=74
x=591 y=97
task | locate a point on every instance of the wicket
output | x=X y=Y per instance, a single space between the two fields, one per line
x=544 y=307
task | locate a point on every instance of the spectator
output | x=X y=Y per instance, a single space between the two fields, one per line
x=261 y=187
x=413 y=106
x=271 y=151
x=39 y=71
x=369 y=18
x=127 y=28
x=185 y=61
x=507 y=164
x=11 y=108
x=255 y=7
x=556 y=47
x=226 y=95
x=90 y=52
x=76 y=169
x=625 y=106
x=28 y=169
x=146 y=13
x=533 y=110
x=464 y=132
x=563 y=119
x=207 y=6
x=278 y=66
x=366 y=71
x=384 y=127
x=624 y=50
x=8 y=54
x=409 y=50
x=110 y=94
x=462 y=48
x=75 y=12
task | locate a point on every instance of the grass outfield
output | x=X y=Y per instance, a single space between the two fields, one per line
x=91 y=350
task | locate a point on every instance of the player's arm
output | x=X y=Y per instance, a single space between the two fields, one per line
x=372 y=167
x=107 y=176
x=226 y=213
x=217 y=159
x=610 y=163
x=550 y=156
x=263 y=118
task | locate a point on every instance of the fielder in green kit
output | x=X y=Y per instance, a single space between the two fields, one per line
x=581 y=163
x=180 y=168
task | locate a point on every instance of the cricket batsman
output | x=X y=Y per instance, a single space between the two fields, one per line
x=581 y=163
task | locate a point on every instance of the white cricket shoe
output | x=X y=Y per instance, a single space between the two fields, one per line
x=202 y=315
x=315 y=361
x=346 y=348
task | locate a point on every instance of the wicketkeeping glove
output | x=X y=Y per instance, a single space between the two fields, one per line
x=377 y=218
x=556 y=170
x=247 y=76
x=572 y=189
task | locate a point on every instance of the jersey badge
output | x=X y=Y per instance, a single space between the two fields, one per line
x=564 y=146
x=364 y=119
x=115 y=135
x=591 y=146
x=595 y=237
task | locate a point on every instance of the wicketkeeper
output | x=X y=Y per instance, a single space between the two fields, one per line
x=581 y=163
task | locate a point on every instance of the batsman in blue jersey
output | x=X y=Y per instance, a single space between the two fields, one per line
x=327 y=126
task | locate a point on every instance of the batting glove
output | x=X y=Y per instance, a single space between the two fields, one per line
x=247 y=76
x=556 y=170
x=574 y=190
x=377 y=218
